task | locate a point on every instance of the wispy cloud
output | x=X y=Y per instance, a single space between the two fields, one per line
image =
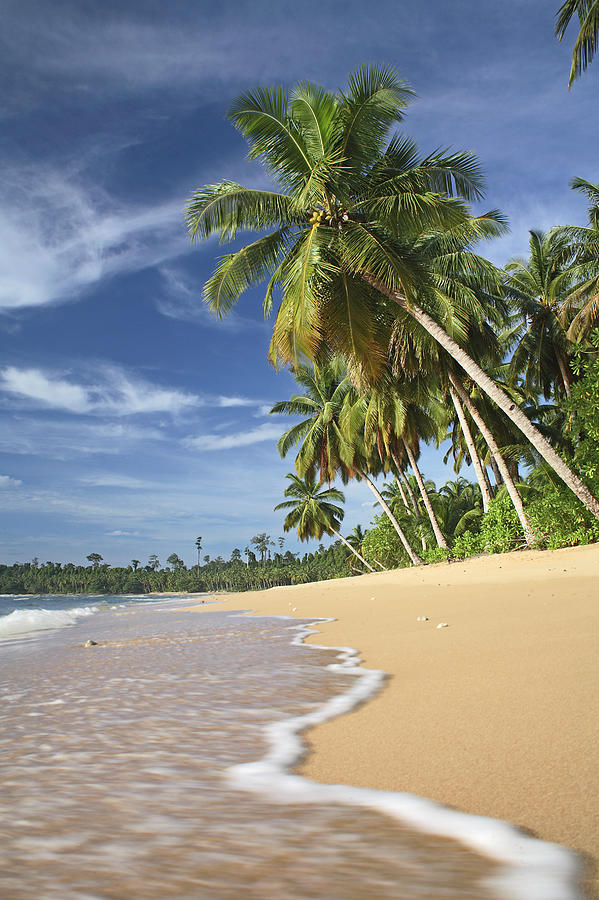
x=209 y=442
x=65 y=440
x=109 y=480
x=113 y=392
x=59 y=237
x=181 y=298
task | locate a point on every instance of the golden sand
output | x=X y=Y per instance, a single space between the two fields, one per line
x=496 y=714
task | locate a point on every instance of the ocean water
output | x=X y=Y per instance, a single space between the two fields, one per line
x=158 y=763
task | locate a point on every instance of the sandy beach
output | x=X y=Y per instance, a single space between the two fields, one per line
x=495 y=714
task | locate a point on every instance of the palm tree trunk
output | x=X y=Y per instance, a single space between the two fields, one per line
x=403 y=495
x=564 y=372
x=353 y=550
x=441 y=542
x=416 y=560
x=496 y=472
x=403 y=480
x=486 y=476
x=471 y=449
x=501 y=464
x=497 y=395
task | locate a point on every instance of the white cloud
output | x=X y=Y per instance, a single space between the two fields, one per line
x=59 y=237
x=119 y=533
x=7 y=482
x=264 y=432
x=35 y=385
x=113 y=392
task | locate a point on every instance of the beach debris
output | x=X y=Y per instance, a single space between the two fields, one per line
x=373 y=598
x=443 y=625
x=422 y=619
x=294 y=609
x=91 y=643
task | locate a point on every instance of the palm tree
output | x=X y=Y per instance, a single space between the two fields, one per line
x=262 y=542
x=588 y=35
x=313 y=511
x=199 y=548
x=459 y=505
x=347 y=224
x=539 y=289
x=582 y=244
x=326 y=445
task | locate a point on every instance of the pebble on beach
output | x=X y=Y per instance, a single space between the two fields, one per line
x=422 y=619
x=91 y=643
x=443 y=625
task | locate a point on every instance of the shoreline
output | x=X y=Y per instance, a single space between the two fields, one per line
x=493 y=715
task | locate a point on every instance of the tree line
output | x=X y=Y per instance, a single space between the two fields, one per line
x=215 y=575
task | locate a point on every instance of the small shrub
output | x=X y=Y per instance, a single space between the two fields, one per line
x=436 y=554
x=467 y=544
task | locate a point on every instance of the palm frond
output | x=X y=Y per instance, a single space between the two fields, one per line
x=244 y=269
x=226 y=207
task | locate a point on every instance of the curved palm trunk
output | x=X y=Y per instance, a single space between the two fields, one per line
x=403 y=495
x=564 y=372
x=439 y=536
x=353 y=550
x=496 y=472
x=486 y=476
x=403 y=480
x=501 y=464
x=416 y=560
x=408 y=487
x=497 y=395
x=482 y=481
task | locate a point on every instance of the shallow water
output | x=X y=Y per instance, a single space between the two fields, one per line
x=116 y=771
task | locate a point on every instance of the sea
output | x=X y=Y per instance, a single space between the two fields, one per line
x=159 y=762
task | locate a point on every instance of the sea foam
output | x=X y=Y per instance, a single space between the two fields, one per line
x=22 y=622
x=531 y=869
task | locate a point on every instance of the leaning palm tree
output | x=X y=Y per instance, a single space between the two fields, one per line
x=313 y=511
x=325 y=445
x=343 y=243
x=587 y=41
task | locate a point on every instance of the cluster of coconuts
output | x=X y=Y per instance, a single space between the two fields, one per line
x=319 y=216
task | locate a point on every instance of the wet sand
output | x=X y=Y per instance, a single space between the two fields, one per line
x=496 y=714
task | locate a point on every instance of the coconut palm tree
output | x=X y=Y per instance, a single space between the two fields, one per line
x=262 y=542
x=459 y=506
x=342 y=246
x=326 y=445
x=395 y=419
x=539 y=290
x=313 y=511
x=587 y=41
x=582 y=249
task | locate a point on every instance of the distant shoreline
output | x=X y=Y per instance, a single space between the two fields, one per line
x=493 y=714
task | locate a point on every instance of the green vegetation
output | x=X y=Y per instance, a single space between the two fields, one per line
x=585 y=46
x=216 y=575
x=400 y=333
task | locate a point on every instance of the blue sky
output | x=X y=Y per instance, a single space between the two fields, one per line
x=131 y=420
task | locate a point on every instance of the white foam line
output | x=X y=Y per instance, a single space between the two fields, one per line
x=532 y=869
